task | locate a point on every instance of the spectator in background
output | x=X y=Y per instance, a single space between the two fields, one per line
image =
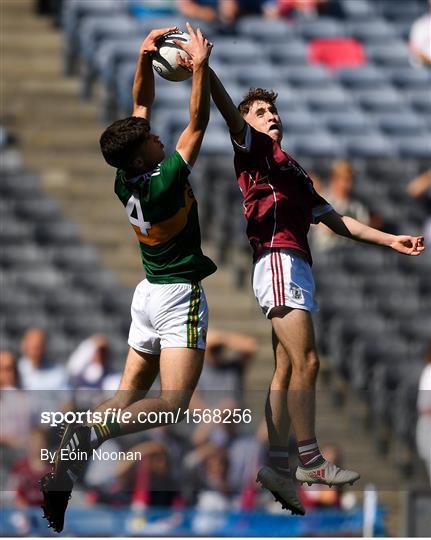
x=339 y=194
x=420 y=40
x=26 y=472
x=228 y=356
x=9 y=379
x=423 y=427
x=154 y=8
x=88 y=365
x=420 y=189
x=218 y=12
x=15 y=414
x=292 y=9
x=35 y=371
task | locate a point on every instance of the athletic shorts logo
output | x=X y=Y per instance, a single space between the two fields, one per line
x=295 y=292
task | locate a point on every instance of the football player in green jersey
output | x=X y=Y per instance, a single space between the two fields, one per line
x=169 y=310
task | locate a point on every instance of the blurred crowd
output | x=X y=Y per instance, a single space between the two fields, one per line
x=209 y=466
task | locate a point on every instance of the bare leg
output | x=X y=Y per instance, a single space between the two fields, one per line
x=276 y=411
x=139 y=373
x=294 y=329
x=180 y=369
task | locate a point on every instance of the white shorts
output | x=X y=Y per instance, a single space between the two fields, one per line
x=168 y=315
x=281 y=278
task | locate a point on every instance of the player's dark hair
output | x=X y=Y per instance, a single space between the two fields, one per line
x=256 y=94
x=120 y=141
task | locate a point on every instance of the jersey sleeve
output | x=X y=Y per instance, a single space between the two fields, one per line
x=174 y=169
x=254 y=141
x=320 y=207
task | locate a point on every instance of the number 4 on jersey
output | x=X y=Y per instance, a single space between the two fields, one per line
x=136 y=216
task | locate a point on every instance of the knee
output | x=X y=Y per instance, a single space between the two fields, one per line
x=282 y=376
x=308 y=366
x=175 y=403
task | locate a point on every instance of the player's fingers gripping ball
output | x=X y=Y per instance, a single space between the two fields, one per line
x=165 y=61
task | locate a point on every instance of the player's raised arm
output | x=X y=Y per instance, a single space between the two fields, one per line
x=143 y=85
x=351 y=228
x=199 y=49
x=227 y=108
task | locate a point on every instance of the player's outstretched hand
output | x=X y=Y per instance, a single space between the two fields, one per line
x=149 y=45
x=198 y=48
x=409 y=245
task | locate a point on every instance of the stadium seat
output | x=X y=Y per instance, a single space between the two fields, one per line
x=411 y=78
x=394 y=11
x=265 y=30
x=320 y=27
x=335 y=99
x=420 y=100
x=359 y=10
x=361 y=77
x=307 y=76
x=350 y=122
x=412 y=146
x=381 y=99
x=74 y=11
x=237 y=51
x=293 y=54
x=64 y=232
x=371 y=31
x=319 y=143
x=297 y=122
x=400 y=123
x=263 y=75
x=389 y=53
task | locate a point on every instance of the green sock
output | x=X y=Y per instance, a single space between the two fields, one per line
x=102 y=432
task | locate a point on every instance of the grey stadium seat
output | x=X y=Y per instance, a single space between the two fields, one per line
x=400 y=123
x=293 y=54
x=264 y=30
x=371 y=31
x=310 y=76
x=361 y=77
x=390 y=53
x=320 y=27
x=381 y=99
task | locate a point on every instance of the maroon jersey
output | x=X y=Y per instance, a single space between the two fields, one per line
x=279 y=199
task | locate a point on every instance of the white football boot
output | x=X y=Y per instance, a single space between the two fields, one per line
x=282 y=488
x=326 y=473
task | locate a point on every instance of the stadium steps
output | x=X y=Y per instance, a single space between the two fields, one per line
x=59 y=139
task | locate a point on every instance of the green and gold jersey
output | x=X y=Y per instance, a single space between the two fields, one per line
x=163 y=212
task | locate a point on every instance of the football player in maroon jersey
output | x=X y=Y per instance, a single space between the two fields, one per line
x=280 y=203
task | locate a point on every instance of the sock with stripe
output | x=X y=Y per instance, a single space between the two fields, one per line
x=102 y=432
x=279 y=459
x=309 y=453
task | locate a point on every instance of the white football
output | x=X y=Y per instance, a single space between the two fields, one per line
x=165 y=60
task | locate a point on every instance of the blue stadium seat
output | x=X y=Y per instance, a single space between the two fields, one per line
x=381 y=99
x=411 y=146
x=373 y=145
x=394 y=11
x=297 y=122
x=265 y=30
x=74 y=11
x=217 y=141
x=359 y=9
x=335 y=99
x=371 y=31
x=320 y=27
x=318 y=144
x=420 y=100
x=389 y=53
x=293 y=54
x=94 y=29
x=400 y=123
x=238 y=51
x=410 y=78
x=348 y=122
x=263 y=74
x=110 y=53
x=310 y=76
x=361 y=77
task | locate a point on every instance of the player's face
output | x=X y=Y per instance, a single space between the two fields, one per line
x=264 y=117
x=152 y=151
